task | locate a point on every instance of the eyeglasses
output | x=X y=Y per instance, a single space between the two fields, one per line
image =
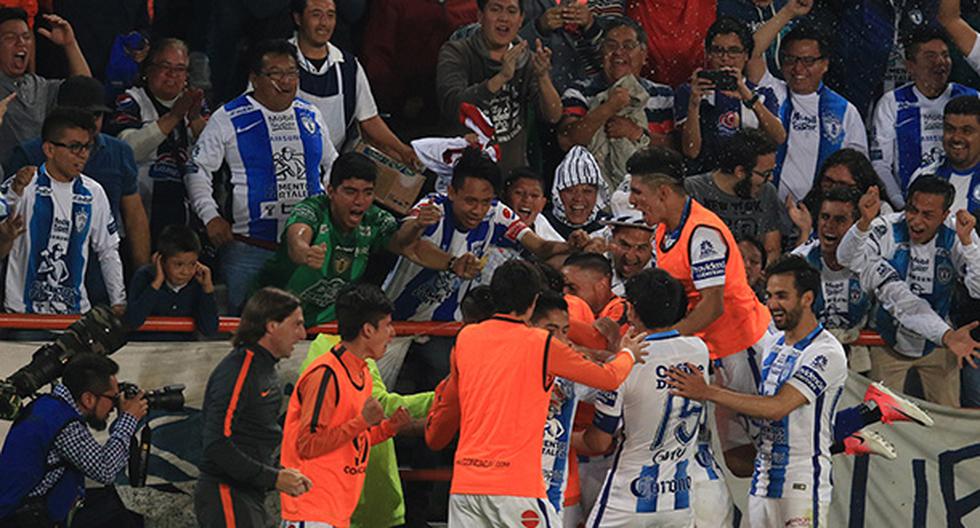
x=765 y=175
x=611 y=46
x=75 y=148
x=731 y=52
x=792 y=60
x=114 y=398
x=170 y=68
x=277 y=75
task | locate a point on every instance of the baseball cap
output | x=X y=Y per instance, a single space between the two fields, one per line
x=83 y=92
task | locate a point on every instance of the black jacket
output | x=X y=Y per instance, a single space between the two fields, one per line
x=241 y=420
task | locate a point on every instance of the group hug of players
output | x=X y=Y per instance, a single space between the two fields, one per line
x=516 y=379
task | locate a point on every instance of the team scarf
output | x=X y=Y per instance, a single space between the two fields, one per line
x=578 y=167
x=830 y=123
x=255 y=148
x=440 y=155
x=946 y=171
x=42 y=221
x=908 y=129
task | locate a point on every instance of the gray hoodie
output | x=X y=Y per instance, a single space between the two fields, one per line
x=462 y=73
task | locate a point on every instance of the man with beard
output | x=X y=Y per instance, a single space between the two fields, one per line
x=961 y=143
x=802 y=377
x=909 y=123
x=739 y=191
x=49 y=451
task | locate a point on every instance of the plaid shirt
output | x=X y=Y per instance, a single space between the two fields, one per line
x=75 y=446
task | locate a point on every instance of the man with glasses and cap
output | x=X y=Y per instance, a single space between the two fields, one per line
x=112 y=165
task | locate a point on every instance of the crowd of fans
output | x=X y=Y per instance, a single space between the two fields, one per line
x=179 y=168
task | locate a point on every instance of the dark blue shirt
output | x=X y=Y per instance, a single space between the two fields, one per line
x=111 y=163
x=189 y=301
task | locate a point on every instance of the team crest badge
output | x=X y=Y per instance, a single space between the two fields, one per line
x=915 y=16
x=944 y=274
x=308 y=123
x=81 y=218
x=975 y=194
x=341 y=263
x=832 y=127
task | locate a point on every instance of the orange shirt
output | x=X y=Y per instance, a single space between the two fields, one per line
x=705 y=255
x=327 y=439
x=503 y=370
x=578 y=309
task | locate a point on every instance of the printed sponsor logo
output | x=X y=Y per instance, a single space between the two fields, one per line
x=530 y=519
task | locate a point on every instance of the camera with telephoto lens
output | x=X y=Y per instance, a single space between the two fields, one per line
x=169 y=398
x=99 y=331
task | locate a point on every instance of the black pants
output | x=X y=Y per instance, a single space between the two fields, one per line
x=219 y=505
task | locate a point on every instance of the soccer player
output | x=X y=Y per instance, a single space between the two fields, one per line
x=502 y=380
x=332 y=419
x=802 y=377
x=650 y=482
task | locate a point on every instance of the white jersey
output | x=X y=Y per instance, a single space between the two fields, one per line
x=973 y=59
x=65 y=221
x=793 y=457
x=908 y=134
x=339 y=89
x=422 y=294
x=565 y=396
x=930 y=270
x=811 y=135
x=651 y=472
x=276 y=160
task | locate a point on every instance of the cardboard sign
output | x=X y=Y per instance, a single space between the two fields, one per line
x=398 y=185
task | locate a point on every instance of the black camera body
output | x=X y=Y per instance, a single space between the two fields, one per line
x=169 y=398
x=723 y=80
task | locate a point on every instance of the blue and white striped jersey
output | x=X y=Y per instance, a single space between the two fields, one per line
x=276 y=159
x=65 y=222
x=930 y=270
x=842 y=302
x=908 y=133
x=793 y=457
x=651 y=471
x=565 y=396
x=422 y=294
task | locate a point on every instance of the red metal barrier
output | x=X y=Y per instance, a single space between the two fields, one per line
x=229 y=324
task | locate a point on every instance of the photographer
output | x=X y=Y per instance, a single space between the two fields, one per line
x=241 y=417
x=49 y=450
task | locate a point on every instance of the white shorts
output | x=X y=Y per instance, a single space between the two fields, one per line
x=304 y=524
x=739 y=372
x=787 y=512
x=500 y=511
x=712 y=504
x=612 y=518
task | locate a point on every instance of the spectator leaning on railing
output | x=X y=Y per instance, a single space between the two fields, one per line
x=176 y=284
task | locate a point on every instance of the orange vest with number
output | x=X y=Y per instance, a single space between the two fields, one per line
x=338 y=476
x=745 y=319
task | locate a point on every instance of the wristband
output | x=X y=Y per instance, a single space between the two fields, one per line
x=751 y=102
x=630 y=352
x=449 y=266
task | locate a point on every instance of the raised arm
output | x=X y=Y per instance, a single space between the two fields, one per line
x=963 y=36
x=767 y=33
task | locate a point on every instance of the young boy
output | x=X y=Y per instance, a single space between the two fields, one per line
x=174 y=285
